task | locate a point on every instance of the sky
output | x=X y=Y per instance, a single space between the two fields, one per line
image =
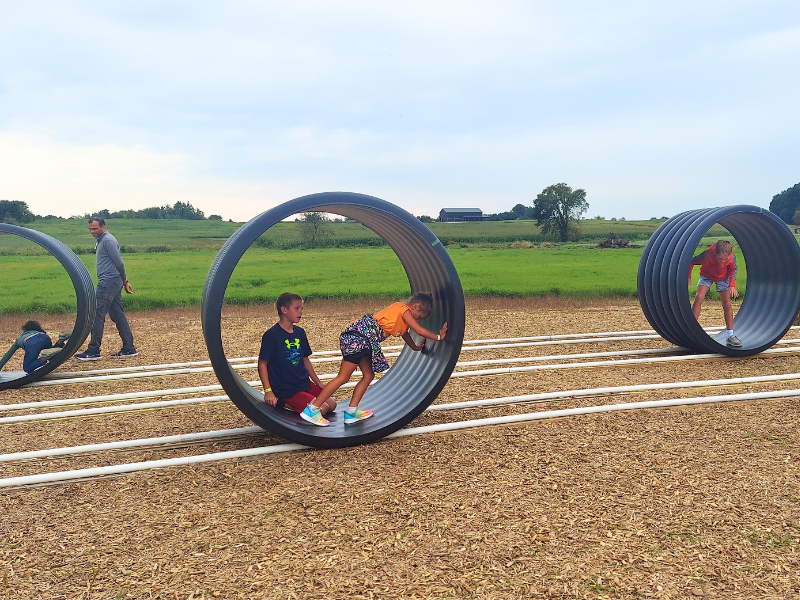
x=651 y=107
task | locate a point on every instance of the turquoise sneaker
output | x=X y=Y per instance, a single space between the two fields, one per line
x=313 y=415
x=356 y=416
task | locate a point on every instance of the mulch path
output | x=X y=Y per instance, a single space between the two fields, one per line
x=680 y=503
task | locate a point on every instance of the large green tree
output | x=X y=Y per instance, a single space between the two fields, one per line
x=558 y=208
x=15 y=211
x=786 y=204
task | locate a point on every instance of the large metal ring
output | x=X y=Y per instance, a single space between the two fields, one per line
x=415 y=379
x=772 y=300
x=84 y=292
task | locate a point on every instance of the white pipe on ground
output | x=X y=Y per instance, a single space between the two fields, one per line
x=180 y=391
x=136 y=372
x=27 y=480
x=127 y=444
x=111 y=397
x=333 y=355
x=622 y=362
x=454 y=375
x=193 y=371
x=528 y=398
x=608 y=391
x=83 y=412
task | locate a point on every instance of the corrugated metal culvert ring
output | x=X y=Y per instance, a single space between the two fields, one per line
x=771 y=303
x=84 y=292
x=415 y=379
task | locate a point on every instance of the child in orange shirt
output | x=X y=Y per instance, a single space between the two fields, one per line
x=717 y=266
x=360 y=344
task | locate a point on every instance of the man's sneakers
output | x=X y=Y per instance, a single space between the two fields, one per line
x=95 y=355
x=312 y=414
x=89 y=355
x=733 y=342
x=355 y=414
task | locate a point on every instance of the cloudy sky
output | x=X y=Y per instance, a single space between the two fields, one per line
x=652 y=108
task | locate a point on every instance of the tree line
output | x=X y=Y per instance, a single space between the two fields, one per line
x=17 y=212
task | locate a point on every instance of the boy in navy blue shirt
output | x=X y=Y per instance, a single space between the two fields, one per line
x=284 y=368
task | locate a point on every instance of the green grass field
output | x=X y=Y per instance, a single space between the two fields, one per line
x=168 y=260
x=38 y=284
x=138 y=235
x=152 y=236
x=159 y=235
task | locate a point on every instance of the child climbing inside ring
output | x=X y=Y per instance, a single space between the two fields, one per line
x=37 y=345
x=284 y=368
x=360 y=345
x=718 y=266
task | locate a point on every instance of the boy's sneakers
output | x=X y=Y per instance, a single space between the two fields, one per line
x=733 y=342
x=356 y=415
x=313 y=415
x=89 y=355
x=64 y=335
x=125 y=354
x=49 y=353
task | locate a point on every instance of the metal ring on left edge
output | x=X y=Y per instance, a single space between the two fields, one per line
x=84 y=292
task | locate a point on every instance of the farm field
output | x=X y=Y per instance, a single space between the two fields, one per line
x=38 y=284
x=689 y=502
x=159 y=235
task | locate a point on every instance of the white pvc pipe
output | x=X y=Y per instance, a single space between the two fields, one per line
x=235 y=363
x=27 y=480
x=127 y=444
x=192 y=369
x=456 y=374
x=528 y=398
x=108 y=409
x=336 y=353
x=610 y=391
x=617 y=363
x=189 y=390
x=333 y=355
x=142 y=466
x=499 y=361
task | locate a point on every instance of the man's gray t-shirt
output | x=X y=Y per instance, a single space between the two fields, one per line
x=109 y=259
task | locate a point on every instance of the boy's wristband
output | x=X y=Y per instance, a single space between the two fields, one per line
x=267 y=390
x=438 y=337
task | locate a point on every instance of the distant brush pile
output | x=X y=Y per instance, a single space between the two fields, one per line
x=612 y=241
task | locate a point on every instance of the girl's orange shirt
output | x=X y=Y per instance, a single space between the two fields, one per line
x=391 y=319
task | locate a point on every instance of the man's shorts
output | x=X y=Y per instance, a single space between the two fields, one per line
x=722 y=286
x=300 y=400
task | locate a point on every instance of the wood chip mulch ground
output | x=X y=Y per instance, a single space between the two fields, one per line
x=697 y=502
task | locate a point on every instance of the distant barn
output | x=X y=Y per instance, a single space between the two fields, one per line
x=461 y=214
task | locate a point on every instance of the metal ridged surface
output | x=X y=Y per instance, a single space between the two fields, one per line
x=773 y=278
x=415 y=379
x=84 y=292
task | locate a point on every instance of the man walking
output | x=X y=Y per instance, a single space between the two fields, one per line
x=111 y=279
